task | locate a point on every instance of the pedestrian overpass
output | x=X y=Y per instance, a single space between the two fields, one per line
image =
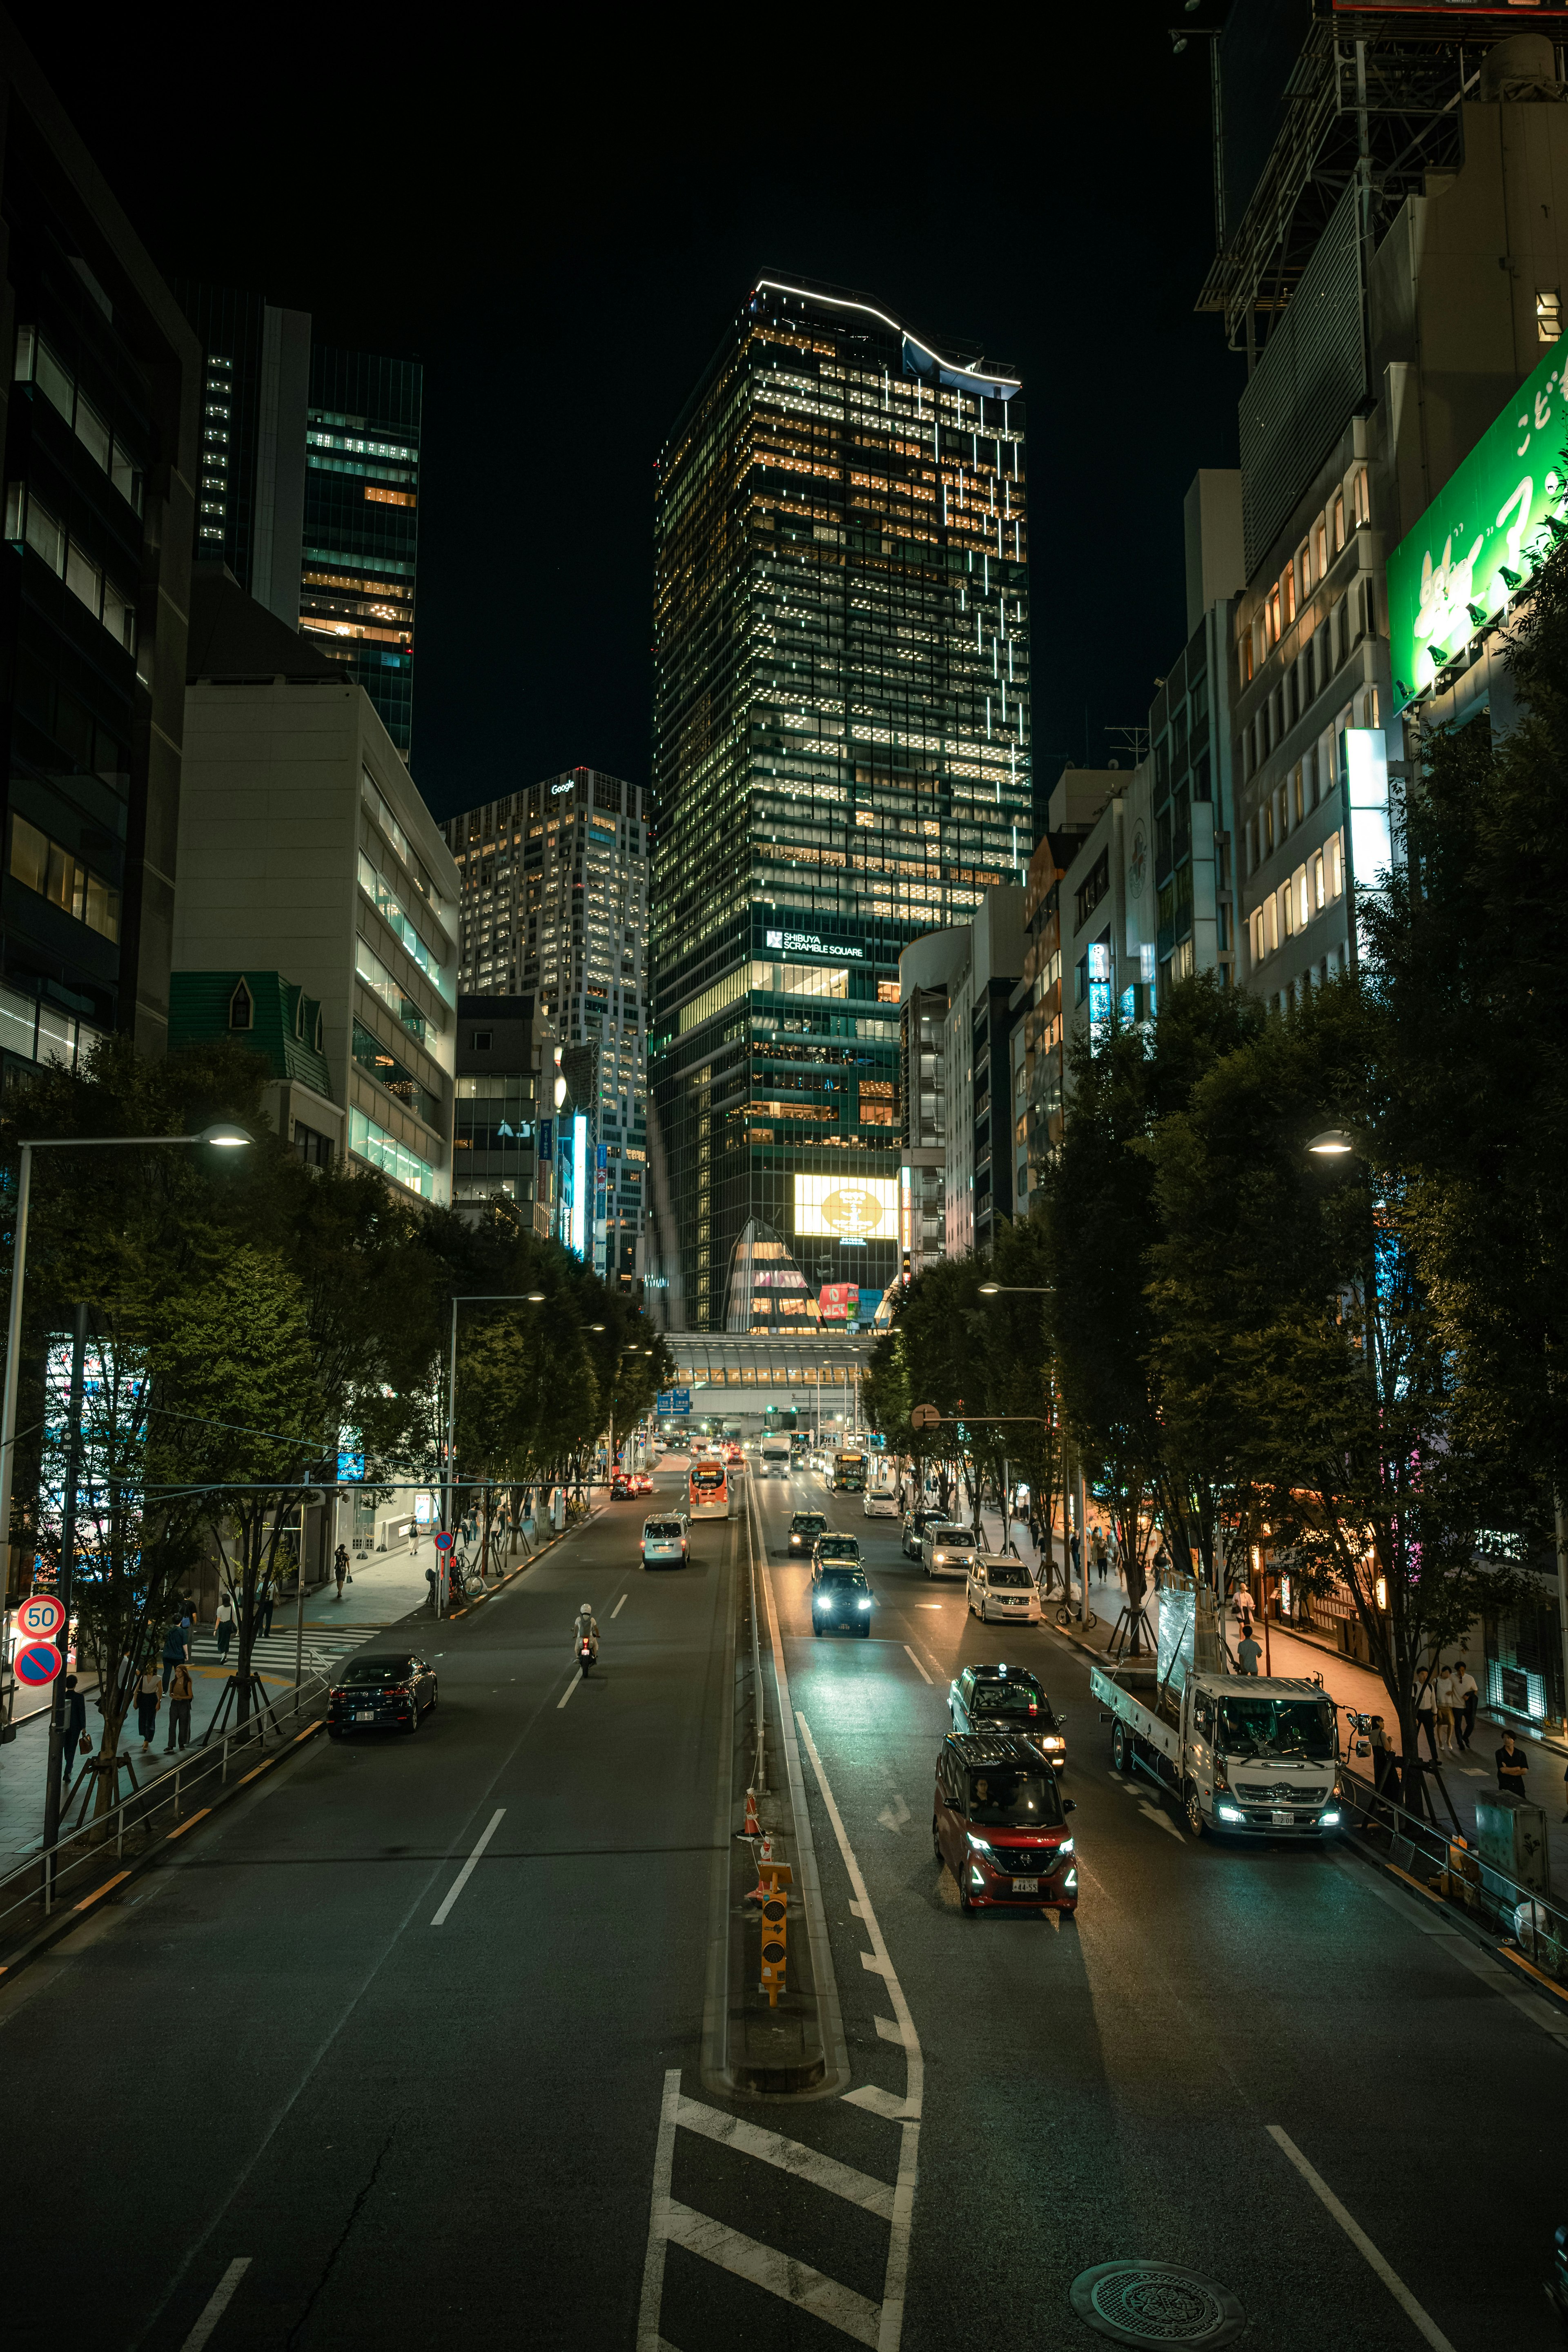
x=735 y=1379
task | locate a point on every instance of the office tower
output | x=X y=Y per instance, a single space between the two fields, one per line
x=362 y=524
x=309 y=486
x=312 y=876
x=504 y=1073
x=555 y=905
x=251 y=498
x=101 y=406
x=842 y=762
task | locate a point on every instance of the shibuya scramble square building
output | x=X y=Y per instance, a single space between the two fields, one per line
x=841 y=762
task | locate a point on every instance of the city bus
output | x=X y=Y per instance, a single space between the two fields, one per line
x=707 y=1488
x=848 y=1473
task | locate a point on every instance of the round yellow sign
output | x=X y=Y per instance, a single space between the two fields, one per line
x=852 y=1209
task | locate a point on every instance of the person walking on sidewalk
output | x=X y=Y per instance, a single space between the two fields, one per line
x=1245 y=1608
x=223 y=1625
x=149 y=1699
x=1097 y=1546
x=182 y=1691
x=1512 y=1764
x=175 y=1651
x=1249 y=1651
x=430 y=1580
x=341 y=1566
x=1426 y=1716
x=1466 y=1695
x=1384 y=1771
x=74 y=1733
x=1445 y=1711
x=265 y=1596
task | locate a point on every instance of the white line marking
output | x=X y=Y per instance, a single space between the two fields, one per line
x=466 y=1871
x=617 y=1608
x=648 y=2338
x=789 y=2156
x=216 y=2304
x=1162 y=1820
x=1362 y=2244
x=916 y=1664
x=876 y=2101
x=778 y=2273
x=566 y=1694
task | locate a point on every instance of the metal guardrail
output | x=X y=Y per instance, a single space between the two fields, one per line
x=42 y=1881
x=1536 y=1922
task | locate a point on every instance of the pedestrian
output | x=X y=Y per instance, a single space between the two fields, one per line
x=1512 y=1764
x=1426 y=1716
x=188 y=1624
x=1245 y=1608
x=74 y=1735
x=1073 y=1550
x=1382 y=1755
x=182 y=1691
x=1445 y=1711
x=1467 y=1698
x=175 y=1653
x=1097 y=1545
x=1249 y=1651
x=149 y=1699
x=430 y=1580
x=223 y=1625
x=266 y=1595
x=341 y=1566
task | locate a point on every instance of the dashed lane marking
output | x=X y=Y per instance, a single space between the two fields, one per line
x=466 y=1871
x=617 y=1608
x=217 y=2303
x=916 y=1664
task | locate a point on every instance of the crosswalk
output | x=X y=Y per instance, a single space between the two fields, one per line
x=272 y=1654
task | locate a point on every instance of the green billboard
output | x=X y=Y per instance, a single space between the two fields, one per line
x=1482 y=537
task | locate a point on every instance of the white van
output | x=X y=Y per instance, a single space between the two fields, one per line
x=881 y=1499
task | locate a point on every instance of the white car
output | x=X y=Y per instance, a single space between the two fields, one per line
x=880 y=1502
x=1001 y=1590
x=947 y=1550
x=664 y=1540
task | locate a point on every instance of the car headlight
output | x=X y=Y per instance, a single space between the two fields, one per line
x=1329 y=1821
x=865 y=1604
x=1048 y=1744
x=981 y=1847
x=1231 y=1814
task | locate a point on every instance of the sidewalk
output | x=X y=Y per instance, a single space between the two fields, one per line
x=387 y=1586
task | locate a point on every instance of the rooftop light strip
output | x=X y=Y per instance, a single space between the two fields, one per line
x=836 y=302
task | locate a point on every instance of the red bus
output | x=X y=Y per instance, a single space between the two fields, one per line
x=709 y=1488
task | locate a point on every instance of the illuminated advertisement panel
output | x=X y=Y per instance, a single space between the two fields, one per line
x=1483 y=534
x=854 y=1208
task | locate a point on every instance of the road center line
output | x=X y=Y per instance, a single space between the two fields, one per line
x=617 y=1608
x=217 y=2303
x=466 y=1871
x=1362 y=2244
x=916 y=1664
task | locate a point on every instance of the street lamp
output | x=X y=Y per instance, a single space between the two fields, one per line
x=222 y=1134
x=1333 y=1143
x=1017 y=1290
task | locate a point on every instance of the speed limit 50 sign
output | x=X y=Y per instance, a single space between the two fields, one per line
x=40 y=1618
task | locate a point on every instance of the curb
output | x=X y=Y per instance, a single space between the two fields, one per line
x=70 y=1916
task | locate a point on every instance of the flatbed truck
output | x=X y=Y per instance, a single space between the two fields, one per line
x=1243 y=1755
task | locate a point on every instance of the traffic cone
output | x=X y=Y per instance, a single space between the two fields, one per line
x=753 y=1826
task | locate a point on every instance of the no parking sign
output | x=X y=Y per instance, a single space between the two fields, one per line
x=37 y=1664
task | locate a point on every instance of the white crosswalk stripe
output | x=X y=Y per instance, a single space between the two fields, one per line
x=273 y=1653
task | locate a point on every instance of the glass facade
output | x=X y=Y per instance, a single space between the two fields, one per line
x=842 y=758
x=362 y=524
x=555 y=907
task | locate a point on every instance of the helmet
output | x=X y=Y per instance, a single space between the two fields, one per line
x=586 y=1610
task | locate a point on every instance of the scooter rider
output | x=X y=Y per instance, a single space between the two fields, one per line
x=586 y=1629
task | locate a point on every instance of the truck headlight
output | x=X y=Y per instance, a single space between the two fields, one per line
x=865 y=1604
x=1230 y=1813
x=1048 y=1744
x=1329 y=1821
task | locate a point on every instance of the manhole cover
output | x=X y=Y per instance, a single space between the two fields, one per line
x=1155 y=2303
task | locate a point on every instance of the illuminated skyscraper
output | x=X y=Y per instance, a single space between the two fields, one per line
x=842 y=762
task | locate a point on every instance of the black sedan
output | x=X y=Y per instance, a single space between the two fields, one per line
x=381 y=1694
x=803 y=1529
x=923 y=1516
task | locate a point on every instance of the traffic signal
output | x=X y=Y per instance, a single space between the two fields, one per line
x=775 y=1941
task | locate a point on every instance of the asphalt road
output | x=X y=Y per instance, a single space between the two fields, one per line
x=267 y=2098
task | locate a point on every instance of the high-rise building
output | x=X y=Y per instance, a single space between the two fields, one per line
x=100 y=402
x=555 y=905
x=250 y=499
x=362 y=524
x=309 y=486
x=842 y=762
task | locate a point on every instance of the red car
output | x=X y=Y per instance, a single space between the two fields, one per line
x=999 y=1822
x=622 y=1488
x=642 y=1483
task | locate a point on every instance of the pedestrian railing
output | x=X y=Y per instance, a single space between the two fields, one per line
x=1453 y=1870
x=32 y=1891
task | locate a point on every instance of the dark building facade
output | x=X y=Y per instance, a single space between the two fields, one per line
x=250 y=496
x=504 y=1076
x=100 y=413
x=842 y=762
x=362 y=524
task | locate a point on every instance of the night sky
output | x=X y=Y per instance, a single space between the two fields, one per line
x=560 y=233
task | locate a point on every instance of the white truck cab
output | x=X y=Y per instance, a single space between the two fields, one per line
x=1243 y=1755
